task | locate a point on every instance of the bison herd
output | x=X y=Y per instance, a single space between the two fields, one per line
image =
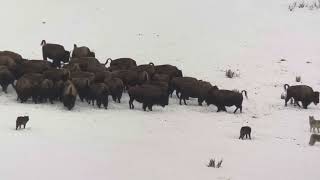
x=80 y=74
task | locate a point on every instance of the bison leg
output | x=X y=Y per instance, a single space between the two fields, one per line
x=180 y=100
x=297 y=103
x=150 y=107
x=286 y=100
x=184 y=100
x=119 y=100
x=249 y=136
x=223 y=108
x=177 y=93
x=200 y=101
x=144 y=106
x=304 y=105
x=4 y=89
x=131 y=103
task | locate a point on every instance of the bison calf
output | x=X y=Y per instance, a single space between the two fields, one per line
x=21 y=120
x=245 y=131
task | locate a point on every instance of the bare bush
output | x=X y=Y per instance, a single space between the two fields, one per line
x=313 y=5
x=212 y=163
x=231 y=74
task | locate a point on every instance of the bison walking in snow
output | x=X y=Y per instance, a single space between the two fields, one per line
x=302 y=93
x=222 y=98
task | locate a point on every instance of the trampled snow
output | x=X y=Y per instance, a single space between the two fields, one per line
x=203 y=38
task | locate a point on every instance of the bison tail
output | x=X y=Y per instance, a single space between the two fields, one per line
x=43 y=42
x=245 y=93
x=286 y=86
x=74 y=46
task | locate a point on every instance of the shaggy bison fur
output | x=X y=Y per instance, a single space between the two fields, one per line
x=6 y=78
x=99 y=93
x=69 y=95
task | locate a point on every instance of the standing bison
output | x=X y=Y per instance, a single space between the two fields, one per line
x=6 y=78
x=302 y=93
x=82 y=51
x=56 y=52
x=99 y=93
x=121 y=63
x=148 y=95
x=69 y=95
x=222 y=98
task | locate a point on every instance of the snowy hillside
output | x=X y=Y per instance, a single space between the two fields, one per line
x=203 y=38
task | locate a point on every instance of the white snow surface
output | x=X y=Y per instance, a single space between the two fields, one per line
x=203 y=38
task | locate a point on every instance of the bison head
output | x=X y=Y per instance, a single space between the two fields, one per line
x=316 y=97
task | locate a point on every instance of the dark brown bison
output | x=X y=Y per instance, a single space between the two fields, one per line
x=161 y=77
x=46 y=91
x=99 y=93
x=302 y=93
x=198 y=89
x=102 y=76
x=149 y=68
x=222 y=98
x=245 y=131
x=121 y=64
x=171 y=71
x=177 y=83
x=9 y=62
x=24 y=89
x=6 y=78
x=83 y=87
x=56 y=52
x=72 y=67
x=35 y=80
x=86 y=63
x=148 y=95
x=82 y=51
x=81 y=74
x=116 y=88
x=21 y=120
x=69 y=95
x=58 y=90
x=31 y=66
x=57 y=74
x=131 y=78
x=17 y=57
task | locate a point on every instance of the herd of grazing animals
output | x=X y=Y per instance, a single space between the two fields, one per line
x=82 y=75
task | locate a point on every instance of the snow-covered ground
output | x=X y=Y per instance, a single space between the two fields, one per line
x=203 y=38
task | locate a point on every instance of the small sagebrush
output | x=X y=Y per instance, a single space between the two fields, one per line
x=302 y=4
x=230 y=73
x=212 y=163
